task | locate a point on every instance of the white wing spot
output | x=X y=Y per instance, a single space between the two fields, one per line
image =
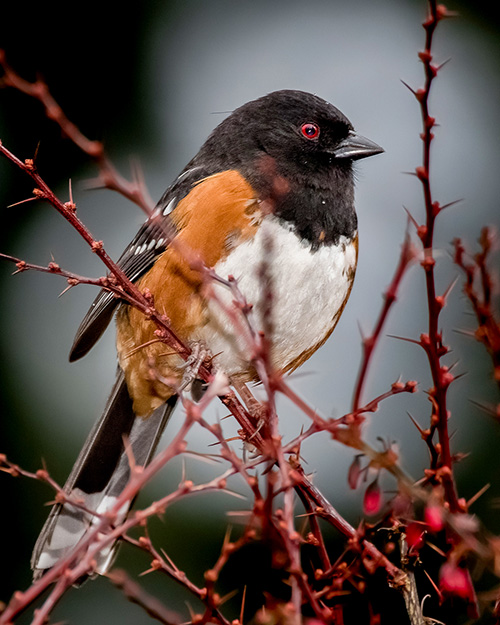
x=170 y=206
x=186 y=173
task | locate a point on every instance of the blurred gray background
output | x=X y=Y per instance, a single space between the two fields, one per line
x=152 y=81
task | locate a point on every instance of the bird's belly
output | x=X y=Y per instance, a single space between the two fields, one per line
x=297 y=296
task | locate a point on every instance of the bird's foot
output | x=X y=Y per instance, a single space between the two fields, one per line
x=190 y=380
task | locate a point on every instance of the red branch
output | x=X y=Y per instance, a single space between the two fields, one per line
x=139 y=596
x=478 y=288
x=369 y=343
x=105 y=282
x=68 y=210
x=284 y=473
x=134 y=190
x=127 y=289
x=432 y=341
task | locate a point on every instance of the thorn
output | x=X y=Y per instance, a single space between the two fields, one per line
x=52 y=502
x=139 y=347
x=169 y=560
x=441 y=65
x=404 y=338
x=450 y=288
x=433 y=584
x=64 y=291
x=468 y=333
x=233 y=493
x=452 y=436
x=409 y=88
x=479 y=493
x=227 y=537
x=206 y=458
x=410 y=216
x=451 y=203
x=228 y=596
x=417 y=426
x=243 y=599
x=409 y=173
x=305 y=515
x=29 y=199
x=35 y=156
x=437 y=549
x=493 y=411
x=226 y=440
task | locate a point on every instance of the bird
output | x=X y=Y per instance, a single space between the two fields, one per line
x=273 y=186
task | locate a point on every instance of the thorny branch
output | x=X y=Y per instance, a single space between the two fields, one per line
x=478 y=288
x=129 y=291
x=369 y=342
x=272 y=511
x=123 y=286
x=432 y=341
x=137 y=595
x=134 y=190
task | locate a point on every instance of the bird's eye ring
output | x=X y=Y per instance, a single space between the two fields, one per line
x=310 y=130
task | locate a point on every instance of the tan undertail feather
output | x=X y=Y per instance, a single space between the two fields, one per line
x=208 y=229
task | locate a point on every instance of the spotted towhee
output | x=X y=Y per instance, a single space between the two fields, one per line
x=273 y=181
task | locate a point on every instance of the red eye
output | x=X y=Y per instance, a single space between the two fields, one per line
x=310 y=130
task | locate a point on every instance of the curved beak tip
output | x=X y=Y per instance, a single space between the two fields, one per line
x=356 y=146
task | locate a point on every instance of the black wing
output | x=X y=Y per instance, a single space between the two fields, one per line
x=138 y=257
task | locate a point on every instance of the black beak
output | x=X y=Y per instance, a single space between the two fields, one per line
x=355 y=146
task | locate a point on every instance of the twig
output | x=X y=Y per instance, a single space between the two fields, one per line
x=325 y=510
x=139 y=596
x=370 y=342
x=128 y=290
x=432 y=341
x=134 y=190
x=478 y=288
x=105 y=282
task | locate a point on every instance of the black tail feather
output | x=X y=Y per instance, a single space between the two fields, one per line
x=99 y=475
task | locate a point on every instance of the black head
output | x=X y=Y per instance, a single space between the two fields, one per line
x=300 y=130
x=297 y=151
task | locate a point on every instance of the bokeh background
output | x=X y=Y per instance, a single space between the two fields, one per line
x=152 y=79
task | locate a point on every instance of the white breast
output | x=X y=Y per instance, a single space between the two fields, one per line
x=300 y=295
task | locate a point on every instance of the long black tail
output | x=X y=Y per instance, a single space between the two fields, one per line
x=99 y=475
